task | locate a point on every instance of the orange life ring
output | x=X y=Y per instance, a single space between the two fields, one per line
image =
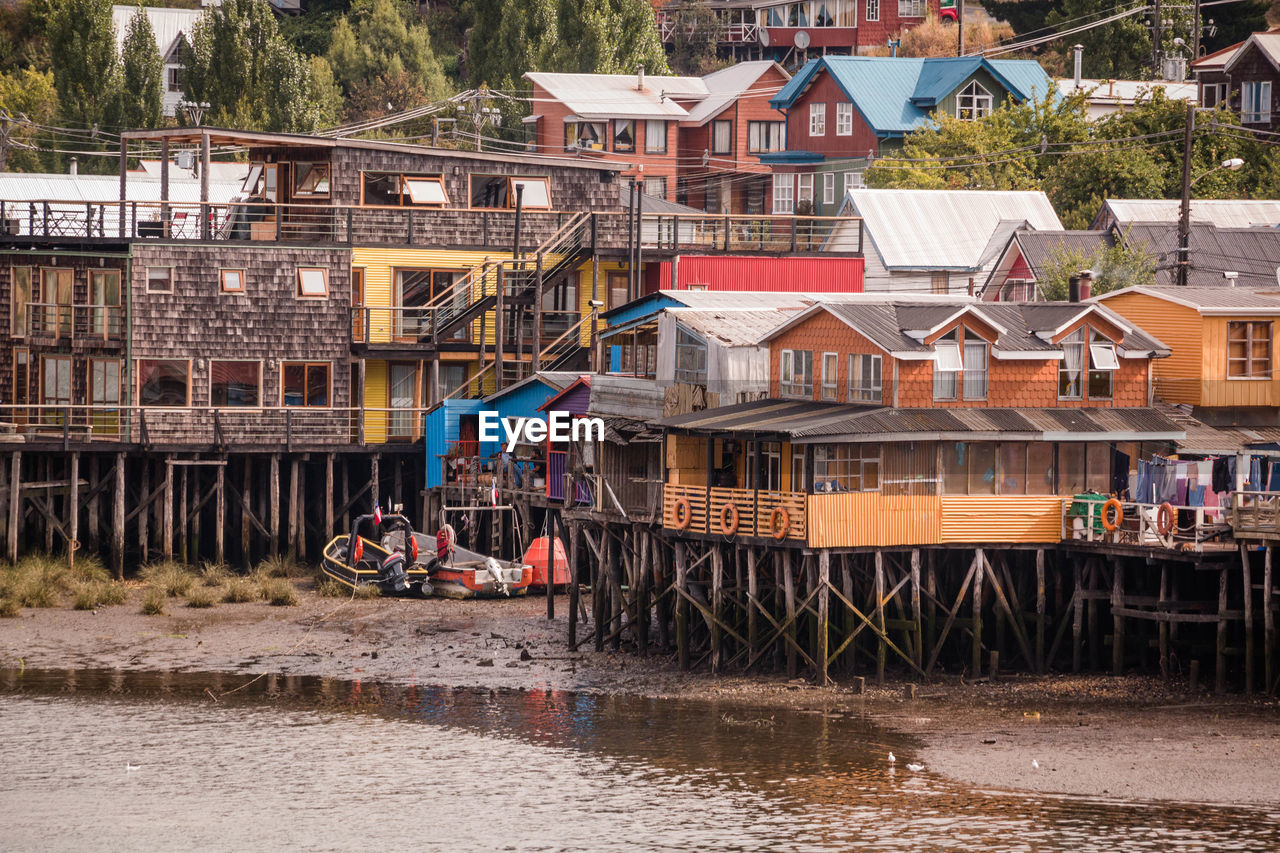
x=729 y=526
x=357 y=551
x=1112 y=526
x=780 y=522
x=413 y=548
x=682 y=513
x=1166 y=518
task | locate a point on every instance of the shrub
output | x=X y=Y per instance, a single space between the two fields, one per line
x=330 y=588
x=278 y=592
x=215 y=574
x=239 y=590
x=280 y=567
x=367 y=591
x=174 y=579
x=201 y=597
x=8 y=608
x=112 y=592
x=153 y=602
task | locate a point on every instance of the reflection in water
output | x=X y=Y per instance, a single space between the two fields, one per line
x=328 y=764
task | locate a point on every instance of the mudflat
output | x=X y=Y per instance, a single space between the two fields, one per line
x=1129 y=738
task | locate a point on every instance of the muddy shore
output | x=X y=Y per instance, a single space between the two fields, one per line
x=1127 y=738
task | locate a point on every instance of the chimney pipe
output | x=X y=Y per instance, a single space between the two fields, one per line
x=1073 y=289
x=1079 y=51
x=75 y=166
x=640 y=78
x=1086 y=284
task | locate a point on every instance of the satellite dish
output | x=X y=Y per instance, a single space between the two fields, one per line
x=802 y=39
x=764 y=37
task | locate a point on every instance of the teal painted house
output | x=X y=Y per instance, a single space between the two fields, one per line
x=844 y=111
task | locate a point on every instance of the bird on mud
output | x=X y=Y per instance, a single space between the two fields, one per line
x=892 y=758
x=915 y=768
x=1035 y=765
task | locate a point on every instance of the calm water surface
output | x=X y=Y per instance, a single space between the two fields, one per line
x=97 y=760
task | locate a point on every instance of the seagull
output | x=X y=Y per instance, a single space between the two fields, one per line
x=129 y=768
x=892 y=758
x=1035 y=765
x=915 y=768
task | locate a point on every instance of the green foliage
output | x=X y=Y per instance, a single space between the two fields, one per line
x=380 y=54
x=248 y=73
x=23 y=26
x=1114 y=267
x=608 y=37
x=1078 y=185
x=31 y=93
x=1245 y=17
x=153 y=603
x=693 y=47
x=278 y=592
x=142 y=76
x=1119 y=50
x=82 y=51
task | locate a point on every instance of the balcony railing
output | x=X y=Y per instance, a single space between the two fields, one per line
x=73 y=321
x=697 y=509
x=1255 y=515
x=1194 y=528
x=222 y=427
x=265 y=222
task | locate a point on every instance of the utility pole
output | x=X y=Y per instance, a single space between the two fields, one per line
x=4 y=138
x=1155 y=40
x=1195 y=31
x=960 y=27
x=1184 y=221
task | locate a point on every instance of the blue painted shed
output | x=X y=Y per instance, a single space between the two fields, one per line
x=443 y=429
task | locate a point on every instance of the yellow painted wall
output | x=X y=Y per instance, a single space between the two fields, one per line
x=1025 y=519
x=602 y=294
x=1216 y=388
x=870 y=519
x=375 y=397
x=1178 y=377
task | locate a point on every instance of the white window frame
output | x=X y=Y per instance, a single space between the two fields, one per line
x=844 y=118
x=866 y=378
x=974 y=381
x=795 y=373
x=231 y=281
x=830 y=375
x=784 y=193
x=804 y=192
x=535 y=195
x=873 y=10
x=973 y=102
x=659 y=181
x=853 y=180
x=828 y=187
x=1103 y=356
x=431 y=189
x=911 y=8
x=818 y=119
x=168 y=279
x=1255 y=102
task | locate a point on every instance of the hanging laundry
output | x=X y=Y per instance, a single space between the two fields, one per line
x=1195 y=497
x=1119 y=473
x=1143 y=492
x=1224 y=480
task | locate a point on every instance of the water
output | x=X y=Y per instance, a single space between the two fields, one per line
x=105 y=760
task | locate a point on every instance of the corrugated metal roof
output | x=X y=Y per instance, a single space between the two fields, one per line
x=1121 y=92
x=1252 y=253
x=1268 y=44
x=625 y=397
x=1038 y=247
x=727 y=85
x=1225 y=213
x=23 y=186
x=1212 y=300
x=604 y=96
x=896 y=94
x=730 y=327
x=557 y=380
x=943 y=229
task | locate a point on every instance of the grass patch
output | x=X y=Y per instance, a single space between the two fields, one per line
x=90 y=595
x=215 y=575
x=173 y=579
x=278 y=592
x=89 y=568
x=367 y=591
x=280 y=566
x=239 y=590
x=9 y=608
x=201 y=597
x=153 y=602
x=113 y=593
x=330 y=588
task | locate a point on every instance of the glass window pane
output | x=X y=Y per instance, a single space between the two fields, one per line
x=313 y=282
x=163 y=383
x=534 y=192
x=955 y=468
x=1071 y=461
x=318 y=385
x=982 y=468
x=294 y=379
x=234 y=383
x=1012 y=468
x=1099 y=471
x=1040 y=468
x=426 y=190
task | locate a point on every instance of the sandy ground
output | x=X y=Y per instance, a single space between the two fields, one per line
x=1124 y=738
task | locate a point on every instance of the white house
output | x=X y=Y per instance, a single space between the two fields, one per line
x=172 y=28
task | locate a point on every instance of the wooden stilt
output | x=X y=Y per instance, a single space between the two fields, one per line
x=117 y=516
x=789 y=590
x=1220 y=670
x=220 y=515
x=93 y=518
x=1077 y=618
x=614 y=569
x=166 y=537
x=294 y=467
x=48 y=501
x=328 y=497
x=849 y=620
x=1247 y=583
x=1041 y=666
x=1117 y=618
x=551 y=560
x=144 y=516
x=246 y=514
x=682 y=606
x=302 y=510
x=931 y=607
x=717 y=604
x=643 y=575
x=915 y=608
x=574 y=555
x=273 y=486
x=1268 y=622
x=73 y=509
x=1162 y=629
x=824 y=615
x=879 y=615
x=182 y=515
x=375 y=480
x=980 y=559
x=753 y=601
x=197 y=514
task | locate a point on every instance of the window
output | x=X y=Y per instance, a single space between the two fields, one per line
x=764 y=136
x=1071 y=368
x=1255 y=102
x=1103 y=364
x=830 y=375
x=313 y=282
x=821 y=16
x=304 y=384
x=159 y=279
x=828 y=187
x=844 y=119
x=873 y=10
x=655 y=137
x=1212 y=94
x=783 y=193
x=56 y=293
x=968 y=468
x=796 y=373
x=806 y=190
x=452 y=377
x=846 y=467
x=624 y=135
x=104 y=391
x=164 y=383
x=818 y=119
x=584 y=134
x=1249 y=350
x=691 y=358
x=55 y=386
x=310 y=179
x=619 y=289
x=21 y=279
x=769 y=475
x=173 y=76
x=232 y=281
x=940 y=282
x=973 y=102
x=104 y=297
x=975 y=368
x=21 y=375
x=498 y=191
x=853 y=181
x=721 y=137
x=911 y=8
x=947 y=365
x=655 y=187
x=403 y=189
x=865 y=382
x=235 y=383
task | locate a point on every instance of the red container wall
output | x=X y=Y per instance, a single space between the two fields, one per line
x=777 y=275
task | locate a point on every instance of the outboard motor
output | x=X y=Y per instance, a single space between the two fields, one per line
x=393 y=575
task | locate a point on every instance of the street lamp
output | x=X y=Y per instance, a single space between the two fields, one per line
x=1233 y=164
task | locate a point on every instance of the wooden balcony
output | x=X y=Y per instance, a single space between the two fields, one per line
x=73 y=322
x=756 y=510
x=1255 y=515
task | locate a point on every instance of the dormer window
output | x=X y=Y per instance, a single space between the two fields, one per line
x=960 y=356
x=1103 y=362
x=947 y=365
x=973 y=102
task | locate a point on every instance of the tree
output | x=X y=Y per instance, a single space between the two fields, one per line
x=82 y=50
x=1119 y=50
x=694 y=40
x=1249 y=16
x=1077 y=185
x=379 y=44
x=1114 y=267
x=934 y=38
x=248 y=74
x=142 y=76
x=31 y=94
x=608 y=37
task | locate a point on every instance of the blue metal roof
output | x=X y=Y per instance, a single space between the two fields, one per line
x=895 y=94
x=791 y=157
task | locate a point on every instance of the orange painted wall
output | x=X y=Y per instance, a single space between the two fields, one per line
x=824 y=333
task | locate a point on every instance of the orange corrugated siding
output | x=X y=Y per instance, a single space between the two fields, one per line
x=1001 y=519
x=862 y=519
